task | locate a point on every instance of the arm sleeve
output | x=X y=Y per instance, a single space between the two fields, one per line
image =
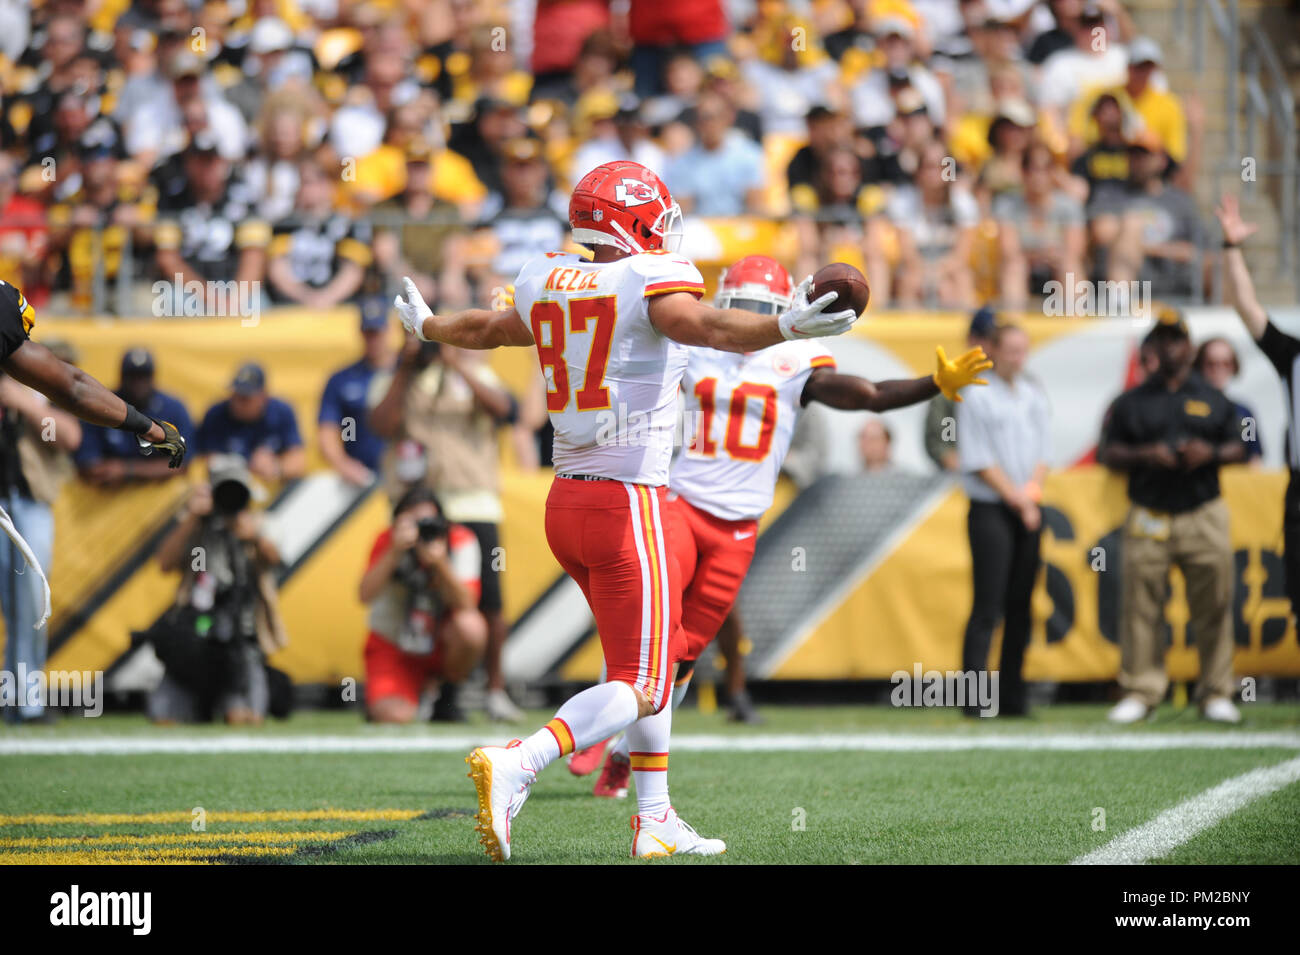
x=1280 y=348
x=289 y=429
x=331 y=411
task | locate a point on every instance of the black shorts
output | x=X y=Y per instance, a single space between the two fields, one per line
x=1291 y=541
x=489 y=542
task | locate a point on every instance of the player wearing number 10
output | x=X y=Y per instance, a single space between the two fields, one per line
x=609 y=333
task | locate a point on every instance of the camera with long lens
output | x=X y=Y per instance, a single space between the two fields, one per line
x=230 y=496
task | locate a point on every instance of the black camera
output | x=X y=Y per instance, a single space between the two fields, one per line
x=230 y=496
x=432 y=528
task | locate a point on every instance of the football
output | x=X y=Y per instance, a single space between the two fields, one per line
x=846 y=282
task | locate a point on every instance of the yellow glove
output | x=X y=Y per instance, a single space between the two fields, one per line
x=952 y=376
x=503 y=298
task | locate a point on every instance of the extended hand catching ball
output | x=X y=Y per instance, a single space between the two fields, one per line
x=846 y=282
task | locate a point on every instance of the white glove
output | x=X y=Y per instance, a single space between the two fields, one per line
x=808 y=320
x=412 y=310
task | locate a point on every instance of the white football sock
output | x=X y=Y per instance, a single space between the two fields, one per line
x=647 y=741
x=587 y=717
x=621 y=747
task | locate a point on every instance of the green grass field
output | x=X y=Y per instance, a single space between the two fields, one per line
x=1017 y=803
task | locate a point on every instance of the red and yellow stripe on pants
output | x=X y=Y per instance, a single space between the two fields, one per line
x=610 y=538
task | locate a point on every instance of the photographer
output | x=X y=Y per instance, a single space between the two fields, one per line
x=214 y=640
x=442 y=409
x=422 y=587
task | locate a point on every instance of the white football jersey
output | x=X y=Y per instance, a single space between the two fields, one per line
x=611 y=378
x=740 y=416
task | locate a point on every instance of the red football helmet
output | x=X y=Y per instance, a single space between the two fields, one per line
x=625 y=205
x=756 y=283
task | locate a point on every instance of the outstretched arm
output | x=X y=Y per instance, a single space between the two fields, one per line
x=471 y=328
x=1239 y=289
x=71 y=388
x=684 y=319
x=851 y=393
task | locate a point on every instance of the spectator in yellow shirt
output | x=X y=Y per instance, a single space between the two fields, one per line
x=1158 y=109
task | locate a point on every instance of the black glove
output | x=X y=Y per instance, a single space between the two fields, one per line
x=172 y=443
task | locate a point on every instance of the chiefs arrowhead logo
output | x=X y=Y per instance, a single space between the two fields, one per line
x=634 y=192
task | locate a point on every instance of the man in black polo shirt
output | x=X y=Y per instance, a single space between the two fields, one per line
x=1283 y=351
x=1170 y=434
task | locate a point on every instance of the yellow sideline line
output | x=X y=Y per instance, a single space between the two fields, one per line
x=273 y=815
x=181 y=855
x=173 y=838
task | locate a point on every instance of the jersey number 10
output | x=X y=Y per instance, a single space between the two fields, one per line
x=603 y=310
x=706 y=390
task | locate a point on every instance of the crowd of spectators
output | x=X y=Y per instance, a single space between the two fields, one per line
x=958 y=151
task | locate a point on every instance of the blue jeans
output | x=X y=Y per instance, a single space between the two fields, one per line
x=24 y=644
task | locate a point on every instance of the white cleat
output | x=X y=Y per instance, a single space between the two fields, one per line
x=1220 y=709
x=1128 y=710
x=670 y=836
x=502 y=782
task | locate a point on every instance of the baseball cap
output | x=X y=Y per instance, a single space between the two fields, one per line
x=374 y=313
x=99 y=141
x=1017 y=111
x=893 y=26
x=522 y=150
x=1143 y=49
x=1168 y=322
x=1091 y=12
x=204 y=141
x=983 y=323
x=270 y=35
x=909 y=102
x=629 y=108
x=137 y=361
x=249 y=380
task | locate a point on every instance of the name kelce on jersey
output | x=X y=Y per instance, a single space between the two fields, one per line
x=571 y=280
x=611 y=377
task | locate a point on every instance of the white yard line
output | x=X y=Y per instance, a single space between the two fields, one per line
x=1169 y=830
x=762 y=742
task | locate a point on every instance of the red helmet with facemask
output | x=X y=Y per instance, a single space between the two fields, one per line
x=756 y=283
x=625 y=205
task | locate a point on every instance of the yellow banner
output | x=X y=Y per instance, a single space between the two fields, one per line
x=914 y=605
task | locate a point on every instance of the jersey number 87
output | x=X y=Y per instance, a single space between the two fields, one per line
x=549 y=316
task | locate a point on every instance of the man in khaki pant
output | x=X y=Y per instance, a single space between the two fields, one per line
x=1170 y=434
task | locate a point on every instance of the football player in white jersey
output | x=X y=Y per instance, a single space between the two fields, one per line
x=609 y=332
x=744 y=408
